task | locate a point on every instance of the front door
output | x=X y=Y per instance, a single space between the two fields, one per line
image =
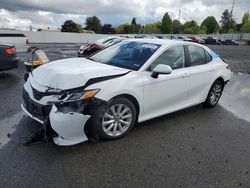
x=167 y=93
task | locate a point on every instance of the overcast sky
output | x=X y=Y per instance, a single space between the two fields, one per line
x=20 y=14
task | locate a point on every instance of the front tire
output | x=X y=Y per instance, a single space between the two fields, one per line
x=214 y=94
x=118 y=119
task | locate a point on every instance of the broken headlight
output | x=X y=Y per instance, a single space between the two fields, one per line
x=78 y=96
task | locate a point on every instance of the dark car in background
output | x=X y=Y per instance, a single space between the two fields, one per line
x=213 y=41
x=8 y=58
x=230 y=42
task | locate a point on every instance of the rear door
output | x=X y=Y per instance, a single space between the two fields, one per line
x=201 y=72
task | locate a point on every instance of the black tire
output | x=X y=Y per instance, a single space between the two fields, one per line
x=116 y=101
x=213 y=91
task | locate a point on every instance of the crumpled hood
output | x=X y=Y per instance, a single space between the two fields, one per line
x=72 y=73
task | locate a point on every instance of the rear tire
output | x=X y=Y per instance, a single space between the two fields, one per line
x=214 y=94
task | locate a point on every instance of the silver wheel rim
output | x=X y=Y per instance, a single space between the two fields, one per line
x=215 y=94
x=116 y=120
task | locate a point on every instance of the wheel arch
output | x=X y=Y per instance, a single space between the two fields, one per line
x=132 y=99
x=222 y=81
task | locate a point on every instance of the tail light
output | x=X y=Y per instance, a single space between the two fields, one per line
x=27 y=41
x=10 y=51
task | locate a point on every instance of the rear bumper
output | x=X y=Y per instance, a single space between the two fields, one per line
x=6 y=64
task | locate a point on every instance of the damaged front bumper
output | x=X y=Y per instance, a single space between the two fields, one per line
x=70 y=122
x=69 y=127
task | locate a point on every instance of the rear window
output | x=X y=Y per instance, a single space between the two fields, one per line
x=208 y=57
x=12 y=35
x=197 y=55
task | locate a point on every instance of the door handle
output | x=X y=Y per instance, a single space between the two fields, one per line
x=185 y=75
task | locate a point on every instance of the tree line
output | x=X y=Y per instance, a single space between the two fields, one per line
x=208 y=26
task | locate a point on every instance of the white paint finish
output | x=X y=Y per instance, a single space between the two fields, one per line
x=72 y=73
x=182 y=88
x=131 y=84
x=164 y=94
x=68 y=126
x=200 y=79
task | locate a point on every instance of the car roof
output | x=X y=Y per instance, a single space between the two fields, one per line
x=165 y=42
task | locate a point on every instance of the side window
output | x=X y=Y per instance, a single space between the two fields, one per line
x=197 y=55
x=208 y=57
x=174 y=57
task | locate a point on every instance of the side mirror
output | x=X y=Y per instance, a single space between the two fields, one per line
x=161 y=69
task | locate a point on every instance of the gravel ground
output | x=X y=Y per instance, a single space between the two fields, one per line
x=196 y=147
x=238 y=56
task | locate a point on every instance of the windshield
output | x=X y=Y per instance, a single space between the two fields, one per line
x=127 y=54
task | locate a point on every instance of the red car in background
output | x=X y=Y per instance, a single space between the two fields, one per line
x=91 y=48
x=196 y=39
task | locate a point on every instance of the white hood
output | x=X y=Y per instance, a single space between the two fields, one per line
x=72 y=73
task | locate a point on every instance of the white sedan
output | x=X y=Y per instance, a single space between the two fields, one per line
x=135 y=80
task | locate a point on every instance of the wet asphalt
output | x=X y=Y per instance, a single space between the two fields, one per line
x=195 y=147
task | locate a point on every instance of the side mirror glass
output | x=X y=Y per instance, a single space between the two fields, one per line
x=161 y=69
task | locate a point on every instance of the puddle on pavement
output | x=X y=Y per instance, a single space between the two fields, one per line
x=8 y=126
x=236 y=96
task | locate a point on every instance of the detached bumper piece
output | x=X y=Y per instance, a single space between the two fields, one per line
x=69 y=127
x=65 y=125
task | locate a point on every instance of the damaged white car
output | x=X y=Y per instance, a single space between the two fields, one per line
x=132 y=81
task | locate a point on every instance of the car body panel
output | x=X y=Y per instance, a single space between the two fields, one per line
x=180 y=89
x=68 y=135
x=164 y=94
x=57 y=75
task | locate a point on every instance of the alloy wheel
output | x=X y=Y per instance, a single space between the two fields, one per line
x=116 y=120
x=215 y=93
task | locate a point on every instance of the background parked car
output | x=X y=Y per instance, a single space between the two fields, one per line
x=230 y=42
x=212 y=40
x=8 y=58
x=19 y=40
x=196 y=39
x=90 y=48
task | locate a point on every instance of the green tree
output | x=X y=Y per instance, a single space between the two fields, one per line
x=134 y=27
x=245 y=23
x=80 y=28
x=94 y=24
x=211 y=24
x=190 y=27
x=227 y=22
x=176 y=26
x=70 y=26
x=152 y=28
x=124 y=29
x=246 y=27
x=245 y=18
x=166 y=24
x=203 y=30
x=133 y=21
x=107 y=29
